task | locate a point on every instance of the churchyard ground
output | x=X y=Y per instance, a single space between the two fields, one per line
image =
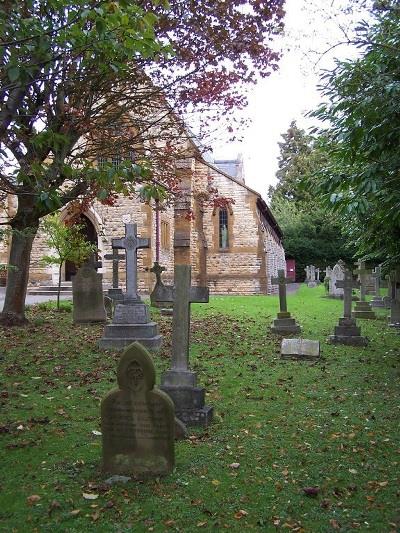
x=294 y=446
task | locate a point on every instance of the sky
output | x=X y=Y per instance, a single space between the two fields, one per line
x=312 y=26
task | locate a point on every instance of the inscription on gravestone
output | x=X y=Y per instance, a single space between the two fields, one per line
x=137 y=420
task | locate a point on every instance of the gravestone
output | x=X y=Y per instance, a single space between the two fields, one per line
x=180 y=383
x=166 y=307
x=377 y=300
x=328 y=272
x=115 y=292
x=307 y=271
x=109 y=306
x=131 y=321
x=300 y=349
x=391 y=289
x=137 y=421
x=363 y=308
x=337 y=274
x=347 y=332
x=312 y=279
x=87 y=295
x=317 y=275
x=394 y=318
x=284 y=323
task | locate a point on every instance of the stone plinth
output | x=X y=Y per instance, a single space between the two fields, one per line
x=284 y=324
x=131 y=323
x=347 y=332
x=377 y=301
x=363 y=309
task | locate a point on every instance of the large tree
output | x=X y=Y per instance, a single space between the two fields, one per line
x=95 y=78
x=361 y=139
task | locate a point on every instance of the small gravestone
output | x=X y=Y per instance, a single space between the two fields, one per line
x=307 y=271
x=109 y=306
x=337 y=274
x=347 y=332
x=137 y=421
x=166 y=307
x=284 y=323
x=377 y=300
x=87 y=295
x=312 y=277
x=115 y=292
x=362 y=308
x=300 y=349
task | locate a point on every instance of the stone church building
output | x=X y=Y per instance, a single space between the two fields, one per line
x=233 y=250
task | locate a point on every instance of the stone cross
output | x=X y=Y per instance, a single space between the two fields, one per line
x=281 y=281
x=115 y=257
x=377 y=276
x=328 y=271
x=347 y=284
x=157 y=269
x=131 y=242
x=307 y=271
x=317 y=274
x=182 y=294
x=362 y=273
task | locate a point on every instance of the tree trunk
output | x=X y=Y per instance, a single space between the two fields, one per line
x=24 y=230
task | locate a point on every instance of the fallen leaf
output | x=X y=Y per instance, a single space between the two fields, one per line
x=334 y=523
x=33 y=499
x=88 y=496
x=75 y=512
x=97 y=433
x=95 y=516
x=352 y=471
x=234 y=465
x=240 y=514
x=215 y=482
x=54 y=505
x=311 y=491
x=201 y=524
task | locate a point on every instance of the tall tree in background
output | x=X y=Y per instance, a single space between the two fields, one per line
x=361 y=177
x=313 y=234
x=95 y=78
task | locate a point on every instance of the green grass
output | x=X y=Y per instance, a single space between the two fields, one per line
x=290 y=425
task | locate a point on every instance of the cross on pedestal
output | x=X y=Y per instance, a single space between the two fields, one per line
x=130 y=243
x=328 y=271
x=347 y=284
x=281 y=280
x=362 y=273
x=157 y=269
x=116 y=258
x=182 y=294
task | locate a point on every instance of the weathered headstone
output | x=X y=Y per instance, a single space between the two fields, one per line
x=284 y=323
x=347 y=332
x=312 y=280
x=337 y=274
x=307 y=271
x=300 y=349
x=394 y=318
x=328 y=272
x=87 y=295
x=115 y=292
x=362 y=308
x=377 y=300
x=180 y=383
x=137 y=421
x=391 y=289
x=131 y=321
x=166 y=307
x=109 y=306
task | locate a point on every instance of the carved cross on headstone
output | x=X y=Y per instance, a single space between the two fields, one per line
x=182 y=294
x=131 y=242
x=157 y=269
x=281 y=281
x=116 y=258
x=362 y=274
x=347 y=284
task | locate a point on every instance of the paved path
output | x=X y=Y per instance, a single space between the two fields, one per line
x=33 y=298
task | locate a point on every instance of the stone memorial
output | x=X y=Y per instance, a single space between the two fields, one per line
x=391 y=289
x=109 y=306
x=131 y=321
x=394 y=318
x=347 y=332
x=328 y=272
x=337 y=274
x=307 y=271
x=377 y=300
x=312 y=279
x=362 y=308
x=137 y=421
x=115 y=292
x=180 y=383
x=166 y=307
x=284 y=323
x=300 y=349
x=87 y=295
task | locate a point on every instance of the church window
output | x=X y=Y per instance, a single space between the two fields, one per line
x=116 y=161
x=223 y=229
x=164 y=235
x=101 y=162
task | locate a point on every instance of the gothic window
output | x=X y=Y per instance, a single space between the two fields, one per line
x=223 y=229
x=101 y=162
x=116 y=161
x=164 y=235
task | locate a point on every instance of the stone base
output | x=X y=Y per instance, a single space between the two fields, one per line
x=363 y=310
x=189 y=405
x=311 y=284
x=394 y=324
x=348 y=341
x=377 y=301
x=114 y=343
x=116 y=294
x=282 y=326
x=167 y=311
x=347 y=332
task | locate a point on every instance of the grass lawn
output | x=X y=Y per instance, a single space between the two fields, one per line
x=280 y=427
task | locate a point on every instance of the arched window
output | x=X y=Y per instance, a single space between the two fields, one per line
x=223 y=229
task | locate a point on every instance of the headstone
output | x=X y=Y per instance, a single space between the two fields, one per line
x=337 y=274
x=312 y=280
x=377 y=300
x=300 y=349
x=137 y=421
x=317 y=275
x=347 y=332
x=108 y=306
x=284 y=323
x=307 y=271
x=115 y=292
x=180 y=383
x=362 y=308
x=166 y=308
x=391 y=289
x=328 y=272
x=131 y=321
x=87 y=295
x=394 y=318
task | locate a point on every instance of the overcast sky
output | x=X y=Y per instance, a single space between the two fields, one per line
x=290 y=92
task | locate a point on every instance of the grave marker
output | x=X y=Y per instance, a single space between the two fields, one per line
x=283 y=323
x=87 y=295
x=115 y=292
x=362 y=308
x=377 y=300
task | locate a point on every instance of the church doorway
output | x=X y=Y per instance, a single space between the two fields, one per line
x=89 y=232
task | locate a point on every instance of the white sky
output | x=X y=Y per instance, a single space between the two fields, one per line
x=290 y=92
